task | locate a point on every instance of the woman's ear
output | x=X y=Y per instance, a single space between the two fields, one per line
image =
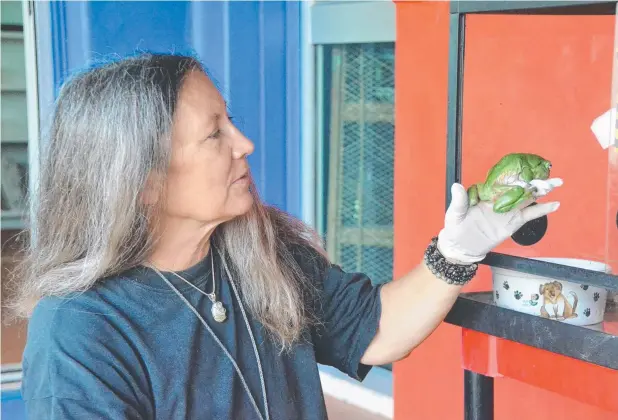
x=152 y=190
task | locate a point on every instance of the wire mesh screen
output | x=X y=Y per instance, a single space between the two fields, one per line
x=359 y=226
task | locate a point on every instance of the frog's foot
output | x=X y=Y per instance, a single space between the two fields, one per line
x=473 y=195
x=511 y=199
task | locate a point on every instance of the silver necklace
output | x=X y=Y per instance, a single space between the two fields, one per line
x=214 y=336
x=217 y=310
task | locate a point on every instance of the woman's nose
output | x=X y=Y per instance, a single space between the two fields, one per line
x=242 y=146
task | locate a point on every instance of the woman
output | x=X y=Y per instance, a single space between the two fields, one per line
x=165 y=289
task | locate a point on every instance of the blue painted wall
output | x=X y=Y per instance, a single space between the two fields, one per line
x=11 y=405
x=251 y=49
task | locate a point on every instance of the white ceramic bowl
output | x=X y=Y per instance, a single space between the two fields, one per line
x=563 y=301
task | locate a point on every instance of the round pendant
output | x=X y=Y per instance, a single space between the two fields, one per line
x=218 y=312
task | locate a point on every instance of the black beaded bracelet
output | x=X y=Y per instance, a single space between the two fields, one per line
x=451 y=273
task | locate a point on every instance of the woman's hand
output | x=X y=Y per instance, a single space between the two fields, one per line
x=469 y=233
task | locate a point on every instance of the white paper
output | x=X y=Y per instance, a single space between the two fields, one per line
x=604 y=128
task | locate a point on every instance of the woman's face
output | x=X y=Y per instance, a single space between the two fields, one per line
x=208 y=179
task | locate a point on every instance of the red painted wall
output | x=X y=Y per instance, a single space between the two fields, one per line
x=532 y=83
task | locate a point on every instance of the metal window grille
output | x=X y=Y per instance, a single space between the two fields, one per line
x=360 y=143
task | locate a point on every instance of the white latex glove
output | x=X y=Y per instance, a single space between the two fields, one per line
x=544 y=187
x=470 y=233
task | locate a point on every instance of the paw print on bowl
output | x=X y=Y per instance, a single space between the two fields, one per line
x=584 y=286
x=517 y=294
x=587 y=312
x=497 y=295
x=506 y=285
x=596 y=296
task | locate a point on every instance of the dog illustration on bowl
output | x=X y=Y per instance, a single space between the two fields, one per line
x=555 y=305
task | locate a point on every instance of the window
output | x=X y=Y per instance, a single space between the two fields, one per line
x=351 y=117
x=356 y=206
x=14 y=115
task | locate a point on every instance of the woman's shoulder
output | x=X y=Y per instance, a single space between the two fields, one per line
x=66 y=316
x=93 y=322
x=72 y=313
x=68 y=339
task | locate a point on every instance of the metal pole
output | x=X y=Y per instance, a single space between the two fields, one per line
x=478 y=396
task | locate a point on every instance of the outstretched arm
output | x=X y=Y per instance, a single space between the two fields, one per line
x=414 y=305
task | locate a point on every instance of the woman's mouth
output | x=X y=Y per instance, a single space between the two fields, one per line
x=243 y=179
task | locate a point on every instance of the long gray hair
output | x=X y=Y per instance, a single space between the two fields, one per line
x=110 y=129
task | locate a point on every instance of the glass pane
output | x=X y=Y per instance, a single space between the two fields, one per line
x=375 y=261
x=367 y=174
x=359 y=149
x=612 y=178
x=535 y=84
x=14 y=174
x=612 y=219
x=538 y=85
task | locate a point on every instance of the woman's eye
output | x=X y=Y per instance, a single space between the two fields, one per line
x=217 y=133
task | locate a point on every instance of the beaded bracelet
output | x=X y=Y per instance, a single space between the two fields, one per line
x=458 y=274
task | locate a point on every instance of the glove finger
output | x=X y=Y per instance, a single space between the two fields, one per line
x=540 y=210
x=526 y=203
x=458 y=208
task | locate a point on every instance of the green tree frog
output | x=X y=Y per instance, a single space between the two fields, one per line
x=517 y=177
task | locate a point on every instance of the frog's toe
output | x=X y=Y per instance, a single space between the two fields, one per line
x=473 y=196
x=503 y=207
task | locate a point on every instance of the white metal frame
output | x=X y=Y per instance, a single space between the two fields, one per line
x=10 y=377
x=32 y=95
x=308 y=120
x=348 y=22
x=42 y=40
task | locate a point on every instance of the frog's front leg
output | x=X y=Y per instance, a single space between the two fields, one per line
x=512 y=197
x=527 y=174
x=473 y=195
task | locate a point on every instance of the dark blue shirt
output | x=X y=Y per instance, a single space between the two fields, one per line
x=129 y=348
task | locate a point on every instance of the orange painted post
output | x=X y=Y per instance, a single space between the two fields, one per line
x=429 y=383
